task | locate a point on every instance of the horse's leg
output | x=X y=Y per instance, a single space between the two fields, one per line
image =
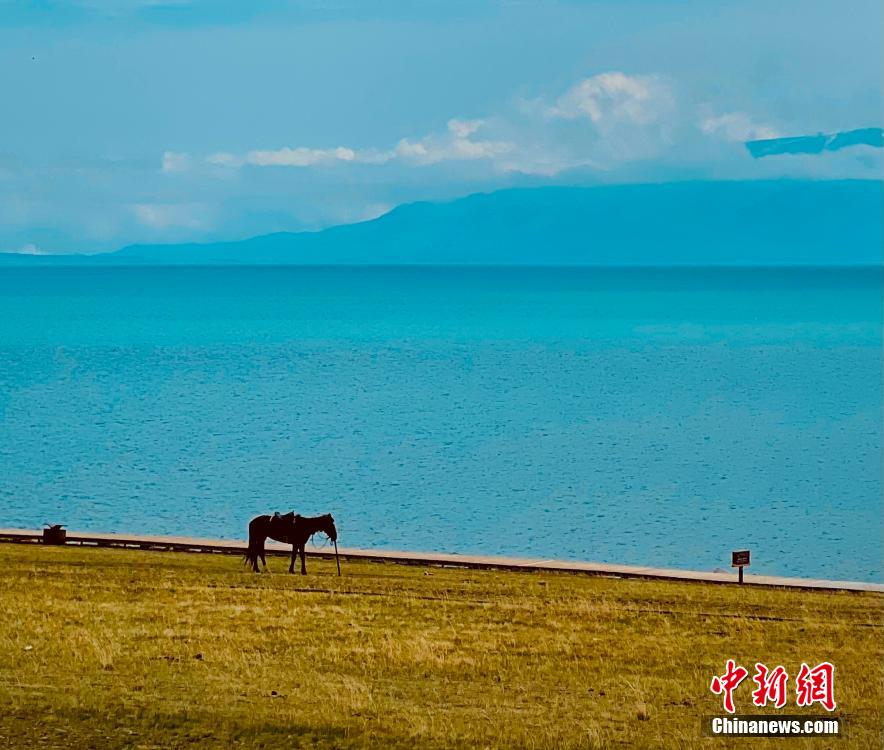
x=303 y=564
x=292 y=563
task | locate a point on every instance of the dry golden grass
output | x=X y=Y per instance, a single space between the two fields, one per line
x=112 y=648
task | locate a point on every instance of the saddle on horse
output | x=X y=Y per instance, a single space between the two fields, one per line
x=281 y=526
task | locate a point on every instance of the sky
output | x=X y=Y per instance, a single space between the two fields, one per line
x=131 y=121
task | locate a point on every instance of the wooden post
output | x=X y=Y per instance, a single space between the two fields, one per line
x=740 y=560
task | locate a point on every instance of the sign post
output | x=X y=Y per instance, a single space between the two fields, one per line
x=740 y=560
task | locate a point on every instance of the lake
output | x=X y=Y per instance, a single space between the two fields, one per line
x=650 y=416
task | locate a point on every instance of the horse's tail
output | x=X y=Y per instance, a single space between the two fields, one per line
x=256 y=545
x=250 y=558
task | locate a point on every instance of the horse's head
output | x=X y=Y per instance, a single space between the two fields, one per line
x=327 y=527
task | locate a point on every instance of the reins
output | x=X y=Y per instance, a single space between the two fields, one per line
x=323 y=546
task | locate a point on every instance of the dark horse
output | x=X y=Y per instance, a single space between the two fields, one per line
x=288 y=529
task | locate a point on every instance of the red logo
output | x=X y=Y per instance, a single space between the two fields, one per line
x=771 y=686
x=726 y=684
x=816 y=685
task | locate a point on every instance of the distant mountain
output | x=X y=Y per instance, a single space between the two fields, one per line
x=772 y=222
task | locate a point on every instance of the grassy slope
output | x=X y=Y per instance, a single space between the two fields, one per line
x=111 y=648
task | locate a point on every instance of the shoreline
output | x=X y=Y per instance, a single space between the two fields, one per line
x=436 y=559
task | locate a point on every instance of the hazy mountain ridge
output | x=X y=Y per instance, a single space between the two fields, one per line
x=686 y=223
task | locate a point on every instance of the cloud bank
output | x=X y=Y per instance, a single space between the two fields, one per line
x=614 y=97
x=456 y=144
x=627 y=110
x=602 y=123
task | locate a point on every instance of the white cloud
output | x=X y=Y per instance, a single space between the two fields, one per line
x=464 y=128
x=174 y=161
x=614 y=97
x=298 y=157
x=224 y=159
x=601 y=122
x=736 y=126
x=166 y=215
x=28 y=249
x=455 y=145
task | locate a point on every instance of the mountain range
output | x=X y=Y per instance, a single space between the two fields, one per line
x=768 y=222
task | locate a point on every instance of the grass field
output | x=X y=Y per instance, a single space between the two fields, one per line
x=113 y=648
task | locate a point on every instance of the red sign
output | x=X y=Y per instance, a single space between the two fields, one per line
x=740 y=559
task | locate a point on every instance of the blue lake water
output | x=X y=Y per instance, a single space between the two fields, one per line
x=651 y=417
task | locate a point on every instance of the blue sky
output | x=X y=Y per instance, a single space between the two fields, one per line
x=146 y=121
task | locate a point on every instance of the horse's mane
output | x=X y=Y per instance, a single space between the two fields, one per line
x=323 y=517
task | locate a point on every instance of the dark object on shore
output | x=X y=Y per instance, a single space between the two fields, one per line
x=740 y=559
x=288 y=529
x=54 y=534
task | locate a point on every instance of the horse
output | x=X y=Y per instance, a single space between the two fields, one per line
x=289 y=529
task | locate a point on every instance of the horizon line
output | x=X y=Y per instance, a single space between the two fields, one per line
x=472 y=266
